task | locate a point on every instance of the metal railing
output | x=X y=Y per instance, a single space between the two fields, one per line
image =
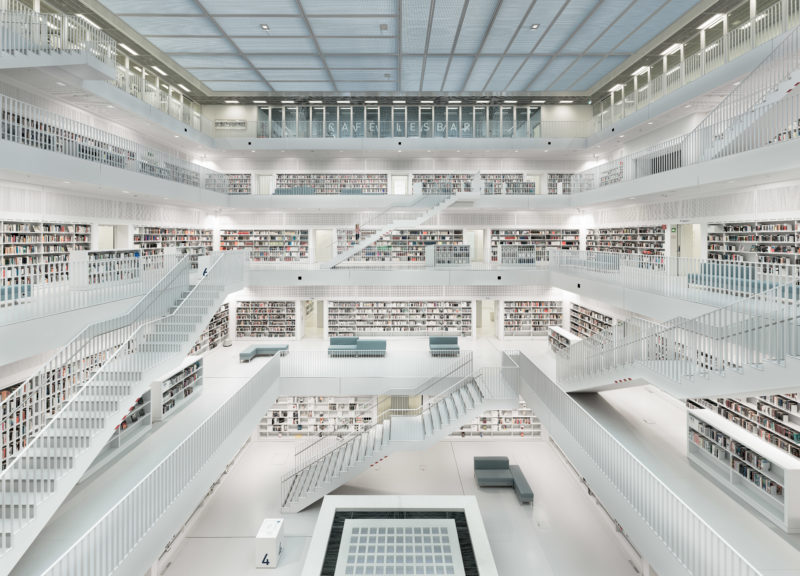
x=692 y=541
x=75 y=363
x=29 y=125
x=30 y=291
x=27 y=32
x=145 y=504
x=751 y=332
x=84 y=416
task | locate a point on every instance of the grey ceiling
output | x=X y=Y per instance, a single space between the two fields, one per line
x=399 y=46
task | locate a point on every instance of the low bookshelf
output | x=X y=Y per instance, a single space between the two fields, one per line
x=647 y=240
x=518 y=422
x=267 y=245
x=539 y=238
x=586 y=322
x=558 y=338
x=216 y=331
x=399 y=318
x=318 y=415
x=195 y=242
x=530 y=317
x=177 y=387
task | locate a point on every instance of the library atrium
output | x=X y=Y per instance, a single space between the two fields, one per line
x=399 y=287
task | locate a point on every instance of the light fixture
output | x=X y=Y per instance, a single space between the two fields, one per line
x=127 y=49
x=231 y=101
x=398 y=101
x=537 y=101
x=640 y=71
x=259 y=101
x=343 y=101
x=85 y=19
x=509 y=101
x=176 y=136
x=265 y=27
x=426 y=101
x=615 y=88
x=622 y=135
x=688 y=106
x=516 y=150
x=534 y=26
x=125 y=192
x=184 y=88
x=109 y=106
x=672 y=49
x=566 y=101
x=649 y=123
x=315 y=101
x=137 y=68
x=454 y=101
x=482 y=101
x=287 y=101
x=159 y=70
x=60 y=84
x=370 y=101
x=66 y=181
x=715 y=19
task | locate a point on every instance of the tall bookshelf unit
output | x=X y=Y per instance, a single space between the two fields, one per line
x=558 y=338
x=193 y=241
x=566 y=239
x=519 y=421
x=268 y=245
x=43 y=244
x=769 y=242
x=318 y=415
x=648 y=240
x=216 y=331
x=234 y=184
x=763 y=476
x=530 y=317
x=443 y=183
x=496 y=183
x=560 y=184
x=266 y=319
x=174 y=390
x=371 y=184
x=399 y=318
x=397 y=245
x=585 y=322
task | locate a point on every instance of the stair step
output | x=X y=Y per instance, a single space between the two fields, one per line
x=28 y=485
x=451 y=409
x=17 y=511
x=444 y=417
x=427 y=423
x=458 y=403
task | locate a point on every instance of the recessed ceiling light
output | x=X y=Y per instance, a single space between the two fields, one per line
x=546 y=151
x=509 y=101
x=370 y=101
x=109 y=106
x=265 y=27
x=454 y=101
x=127 y=49
x=159 y=70
x=714 y=20
x=231 y=101
x=125 y=192
x=283 y=150
x=649 y=123
x=428 y=150
x=60 y=84
x=315 y=101
x=85 y=19
x=287 y=101
x=516 y=150
x=184 y=88
x=566 y=101
x=736 y=83
x=688 y=106
x=537 y=101
x=343 y=101
x=176 y=136
x=672 y=49
x=482 y=101
x=254 y=101
x=137 y=68
x=534 y=26
x=640 y=71
x=66 y=181
x=622 y=135
x=398 y=101
x=631 y=198
x=253 y=151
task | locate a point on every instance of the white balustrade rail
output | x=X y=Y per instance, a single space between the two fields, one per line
x=119 y=531
x=694 y=543
x=757 y=330
x=30 y=291
x=84 y=421
x=74 y=364
x=29 y=125
x=24 y=31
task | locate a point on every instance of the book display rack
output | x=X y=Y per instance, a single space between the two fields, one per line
x=318 y=415
x=266 y=319
x=443 y=183
x=399 y=318
x=397 y=245
x=585 y=322
x=647 y=240
x=193 y=241
x=519 y=421
x=216 y=331
x=335 y=183
x=530 y=317
x=566 y=239
x=769 y=242
x=268 y=245
x=558 y=338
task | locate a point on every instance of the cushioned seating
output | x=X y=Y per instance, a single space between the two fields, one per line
x=730 y=276
x=260 y=350
x=521 y=486
x=351 y=191
x=15 y=292
x=494 y=471
x=354 y=346
x=443 y=345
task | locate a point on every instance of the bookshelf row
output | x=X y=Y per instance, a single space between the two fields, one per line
x=362 y=318
x=397 y=245
x=558 y=338
x=585 y=322
x=333 y=183
x=502 y=183
x=566 y=239
x=266 y=319
x=519 y=421
x=230 y=183
x=23 y=243
x=267 y=245
x=442 y=183
x=773 y=242
x=647 y=240
x=530 y=317
x=193 y=241
x=216 y=331
x=180 y=386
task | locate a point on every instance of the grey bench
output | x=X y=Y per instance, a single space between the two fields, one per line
x=353 y=346
x=261 y=350
x=494 y=471
x=443 y=345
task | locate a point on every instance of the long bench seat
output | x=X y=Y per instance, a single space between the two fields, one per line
x=353 y=346
x=443 y=345
x=261 y=350
x=494 y=471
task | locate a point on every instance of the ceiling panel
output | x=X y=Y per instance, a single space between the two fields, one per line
x=473 y=29
x=597 y=73
x=271 y=45
x=671 y=12
x=560 y=31
x=553 y=70
x=284 y=74
x=367 y=26
x=457 y=73
x=416 y=14
x=372 y=75
x=167 y=25
x=278 y=26
x=287 y=61
x=484 y=66
x=238 y=86
x=300 y=87
x=532 y=66
x=543 y=14
x=178 y=44
x=153 y=7
x=593 y=28
x=366 y=86
x=361 y=61
x=444 y=25
x=509 y=17
x=506 y=69
x=358 y=45
x=574 y=73
x=628 y=24
x=411 y=73
x=205 y=74
x=285 y=7
x=211 y=61
x=435 y=67
x=349 y=6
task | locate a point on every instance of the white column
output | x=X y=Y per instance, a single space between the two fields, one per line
x=299 y=319
x=312 y=253
x=156 y=401
x=474 y=320
x=702 y=52
x=325 y=306
x=499 y=314
x=487 y=245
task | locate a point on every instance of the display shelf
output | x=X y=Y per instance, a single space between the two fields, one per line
x=441 y=255
x=318 y=415
x=497 y=183
x=397 y=245
x=442 y=183
x=558 y=338
x=762 y=475
x=233 y=184
x=177 y=387
x=774 y=242
x=647 y=240
x=560 y=183
x=332 y=183
x=193 y=241
x=138 y=418
x=585 y=322
x=37 y=243
x=113 y=266
x=530 y=317
x=387 y=318
x=566 y=239
x=213 y=334
x=267 y=245
x=519 y=421
x=266 y=319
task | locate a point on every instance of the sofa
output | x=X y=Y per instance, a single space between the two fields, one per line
x=353 y=346
x=261 y=350
x=494 y=471
x=296 y=191
x=443 y=345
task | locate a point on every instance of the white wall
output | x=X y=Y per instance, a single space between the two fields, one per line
x=566 y=113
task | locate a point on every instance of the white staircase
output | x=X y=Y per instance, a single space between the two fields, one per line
x=443 y=203
x=35 y=484
x=340 y=460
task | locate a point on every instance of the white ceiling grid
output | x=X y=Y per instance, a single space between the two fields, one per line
x=399 y=46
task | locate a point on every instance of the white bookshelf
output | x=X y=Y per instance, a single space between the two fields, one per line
x=540 y=238
x=176 y=388
x=399 y=318
x=647 y=240
x=585 y=322
x=233 y=184
x=612 y=174
x=195 y=242
x=335 y=183
x=266 y=319
x=558 y=338
x=560 y=183
x=39 y=250
x=519 y=421
x=498 y=183
x=216 y=331
x=318 y=415
x=769 y=242
x=530 y=317
x=761 y=475
x=268 y=245
x=442 y=183
x=398 y=245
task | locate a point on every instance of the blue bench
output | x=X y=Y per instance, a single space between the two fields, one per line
x=15 y=292
x=295 y=191
x=443 y=345
x=494 y=471
x=261 y=350
x=356 y=347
